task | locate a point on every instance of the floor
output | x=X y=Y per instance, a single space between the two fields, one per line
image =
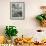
x=30 y=45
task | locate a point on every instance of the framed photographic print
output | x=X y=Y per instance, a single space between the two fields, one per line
x=17 y=10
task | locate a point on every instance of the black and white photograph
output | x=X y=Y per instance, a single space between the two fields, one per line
x=17 y=10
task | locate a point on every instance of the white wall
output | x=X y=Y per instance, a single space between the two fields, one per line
x=25 y=27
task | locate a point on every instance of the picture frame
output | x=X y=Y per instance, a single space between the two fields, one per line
x=17 y=10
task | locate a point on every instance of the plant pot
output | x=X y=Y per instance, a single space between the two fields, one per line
x=43 y=23
x=9 y=41
x=13 y=38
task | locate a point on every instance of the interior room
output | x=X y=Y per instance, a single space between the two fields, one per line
x=23 y=22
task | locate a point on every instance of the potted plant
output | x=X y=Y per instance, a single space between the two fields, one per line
x=42 y=17
x=10 y=31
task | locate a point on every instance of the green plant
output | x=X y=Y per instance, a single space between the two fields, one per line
x=11 y=31
x=41 y=17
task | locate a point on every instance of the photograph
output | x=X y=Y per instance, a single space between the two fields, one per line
x=23 y=23
x=17 y=10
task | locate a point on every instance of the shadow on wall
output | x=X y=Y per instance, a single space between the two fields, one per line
x=2 y=29
x=34 y=22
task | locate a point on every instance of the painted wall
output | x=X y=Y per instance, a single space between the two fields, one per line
x=27 y=26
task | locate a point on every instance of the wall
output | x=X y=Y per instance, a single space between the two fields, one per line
x=27 y=26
